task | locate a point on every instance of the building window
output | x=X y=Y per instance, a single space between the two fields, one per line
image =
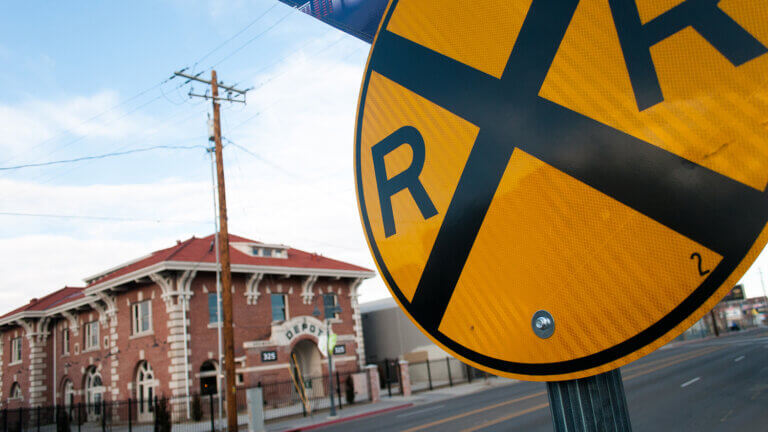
x=330 y=301
x=65 y=342
x=145 y=390
x=94 y=392
x=16 y=350
x=16 y=392
x=279 y=312
x=141 y=314
x=213 y=311
x=92 y=335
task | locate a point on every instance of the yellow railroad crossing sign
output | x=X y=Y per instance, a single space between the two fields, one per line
x=554 y=189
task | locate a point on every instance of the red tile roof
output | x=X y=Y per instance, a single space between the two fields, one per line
x=191 y=250
x=54 y=299
x=202 y=250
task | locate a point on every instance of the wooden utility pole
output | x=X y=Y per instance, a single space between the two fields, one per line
x=226 y=270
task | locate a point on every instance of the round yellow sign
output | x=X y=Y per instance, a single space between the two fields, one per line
x=554 y=189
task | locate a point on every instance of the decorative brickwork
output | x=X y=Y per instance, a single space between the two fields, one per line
x=154 y=315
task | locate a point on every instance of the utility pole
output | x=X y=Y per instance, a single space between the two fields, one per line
x=223 y=241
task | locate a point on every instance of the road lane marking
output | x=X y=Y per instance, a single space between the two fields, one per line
x=506 y=417
x=421 y=411
x=672 y=363
x=725 y=417
x=687 y=383
x=469 y=413
x=675 y=360
x=637 y=367
x=738 y=359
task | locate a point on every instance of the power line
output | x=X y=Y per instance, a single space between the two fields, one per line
x=263 y=160
x=272 y=78
x=200 y=60
x=155 y=129
x=101 y=156
x=249 y=41
x=103 y=218
x=114 y=107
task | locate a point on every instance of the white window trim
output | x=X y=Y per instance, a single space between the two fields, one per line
x=21 y=393
x=65 y=342
x=135 y=319
x=285 y=306
x=15 y=351
x=89 y=337
x=336 y=317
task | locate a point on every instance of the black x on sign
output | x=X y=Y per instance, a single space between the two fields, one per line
x=603 y=161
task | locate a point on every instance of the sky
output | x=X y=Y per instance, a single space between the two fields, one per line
x=81 y=79
x=88 y=79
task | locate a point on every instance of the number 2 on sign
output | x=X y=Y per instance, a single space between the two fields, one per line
x=702 y=272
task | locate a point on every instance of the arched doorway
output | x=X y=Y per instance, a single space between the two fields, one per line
x=145 y=391
x=208 y=378
x=306 y=363
x=94 y=393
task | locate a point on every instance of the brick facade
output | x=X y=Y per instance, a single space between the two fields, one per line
x=176 y=349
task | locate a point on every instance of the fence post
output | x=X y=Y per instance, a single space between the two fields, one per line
x=79 y=416
x=469 y=373
x=37 y=415
x=429 y=374
x=387 y=377
x=21 y=416
x=338 y=388
x=103 y=415
x=213 y=425
x=450 y=378
x=5 y=419
x=130 y=420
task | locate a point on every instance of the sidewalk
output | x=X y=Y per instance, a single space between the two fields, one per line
x=387 y=404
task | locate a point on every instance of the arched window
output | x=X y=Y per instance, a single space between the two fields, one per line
x=208 y=378
x=68 y=390
x=94 y=392
x=16 y=391
x=145 y=390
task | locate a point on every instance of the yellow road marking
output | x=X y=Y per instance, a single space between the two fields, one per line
x=672 y=363
x=666 y=363
x=469 y=413
x=635 y=368
x=506 y=417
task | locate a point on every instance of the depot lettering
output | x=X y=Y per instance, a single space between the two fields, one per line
x=303 y=328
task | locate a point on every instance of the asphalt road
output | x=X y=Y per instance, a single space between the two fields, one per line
x=713 y=385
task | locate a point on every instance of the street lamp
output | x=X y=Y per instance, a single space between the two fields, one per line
x=330 y=311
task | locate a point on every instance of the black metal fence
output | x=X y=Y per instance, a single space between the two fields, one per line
x=447 y=372
x=198 y=413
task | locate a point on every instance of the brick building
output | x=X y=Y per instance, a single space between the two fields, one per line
x=124 y=336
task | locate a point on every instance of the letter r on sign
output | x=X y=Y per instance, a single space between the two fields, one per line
x=408 y=179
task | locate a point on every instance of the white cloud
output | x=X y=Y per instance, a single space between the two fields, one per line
x=29 y=124
x=305 y=127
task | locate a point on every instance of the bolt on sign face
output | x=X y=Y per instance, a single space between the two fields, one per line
x=602 y=163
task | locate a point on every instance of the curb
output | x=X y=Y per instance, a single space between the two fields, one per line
x=345 y=419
